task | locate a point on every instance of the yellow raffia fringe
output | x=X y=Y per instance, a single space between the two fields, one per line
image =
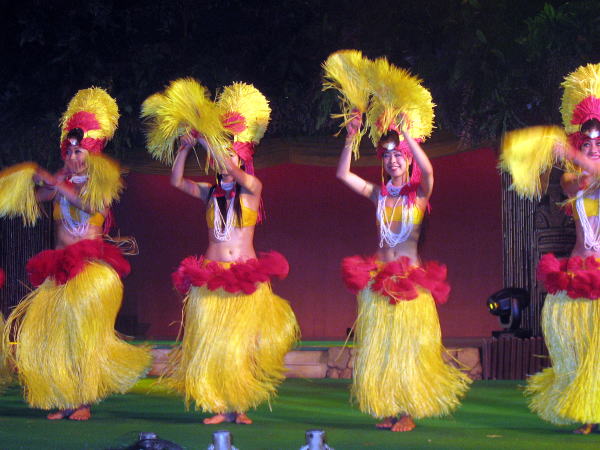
x=249 y=102
x=183 y=106
x=5 y=374
x=569 y=391
x=345 y=72
x=98 y=102
x=578 y=85
x=17 y=193
x=396 y=95
x=527 y=154
x=67 y=351
x=104 y=183
x=399 y=367
x=231 y=357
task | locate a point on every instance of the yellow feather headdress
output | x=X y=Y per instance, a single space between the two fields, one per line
x=184 y=107
x=345 y=72
x=397 y=96
x=245 y=112
x=95 y=112
x=581 y=97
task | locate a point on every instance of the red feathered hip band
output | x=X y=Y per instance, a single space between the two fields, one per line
x=1 y=278
x=579 y=277
x=397 y=280
x=64 y=264
x=242 y=277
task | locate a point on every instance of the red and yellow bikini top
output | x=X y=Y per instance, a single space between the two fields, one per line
x=96 y=219
x=249 y=215
x=395 y=215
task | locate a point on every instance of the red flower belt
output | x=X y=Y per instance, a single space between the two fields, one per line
x=235 y=277
x=66 y=263
x=579 y=277
x=398 y=280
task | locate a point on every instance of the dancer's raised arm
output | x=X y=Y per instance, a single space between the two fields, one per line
x=344 y=174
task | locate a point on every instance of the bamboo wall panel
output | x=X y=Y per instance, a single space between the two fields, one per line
x=18 y=244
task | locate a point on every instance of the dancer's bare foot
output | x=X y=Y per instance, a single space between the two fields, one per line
x=243 y=419
x=58 y=415
x=387 y=423
x=404 y=423
x=218 y=418
x=588 y=428
x=81 y=413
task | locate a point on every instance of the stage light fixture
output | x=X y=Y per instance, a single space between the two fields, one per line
x=508 y=304
x=222 y=440
x=316 y=440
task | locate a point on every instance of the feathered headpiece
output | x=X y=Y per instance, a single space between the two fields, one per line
x=184 y=107
x=529 y=154
x=345 y=71
x=580 y=100
x=96 y=113
x=245 y=113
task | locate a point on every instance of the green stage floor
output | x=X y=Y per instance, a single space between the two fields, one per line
x=493 y=416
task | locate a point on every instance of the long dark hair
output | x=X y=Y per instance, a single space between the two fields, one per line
x=222 y=201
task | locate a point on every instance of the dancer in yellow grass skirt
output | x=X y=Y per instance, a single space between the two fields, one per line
x=236 y=330
x=569 y=391
x=67 y=353
x=399 y=373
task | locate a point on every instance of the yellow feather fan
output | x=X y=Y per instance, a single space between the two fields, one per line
x=182 y=108
x=95 y=101
x=104 y=182
x=578 y=86
x=17 y=193
x=345 y=72
x=398 y=96
x=247 y=101
x=527 y=154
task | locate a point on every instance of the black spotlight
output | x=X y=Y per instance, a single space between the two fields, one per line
x=508 y=304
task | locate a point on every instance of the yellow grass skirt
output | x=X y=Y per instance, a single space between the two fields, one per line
x=399 y=367
x=231 y=357
x=67 y=351
x=5 y=376
x=569 y=391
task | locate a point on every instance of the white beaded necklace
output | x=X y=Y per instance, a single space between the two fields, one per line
x=78 y=228
x=386 y=235
x=222 y=226
x=591 y=233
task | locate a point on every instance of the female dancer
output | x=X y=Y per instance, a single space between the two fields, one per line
x=569 y=391
x=237 y=331
x=399 y=373
x=68 y=355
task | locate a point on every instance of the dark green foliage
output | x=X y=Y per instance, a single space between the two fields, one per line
x=491 y=65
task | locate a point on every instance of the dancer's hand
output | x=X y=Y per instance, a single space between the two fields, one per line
x=42 y=176
x=186 y=142
x=354 y=124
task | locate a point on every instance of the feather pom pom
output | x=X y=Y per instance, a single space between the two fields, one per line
x=345 y=72
x=17 y=193
x=399 y=99
x=527 y=154
x=104 y=182
x=246 y=112
x=184 y=107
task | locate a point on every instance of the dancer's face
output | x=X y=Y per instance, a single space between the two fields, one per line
x=591 y=148
x=235 y=159
x=76 y=159
x=395 y=163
